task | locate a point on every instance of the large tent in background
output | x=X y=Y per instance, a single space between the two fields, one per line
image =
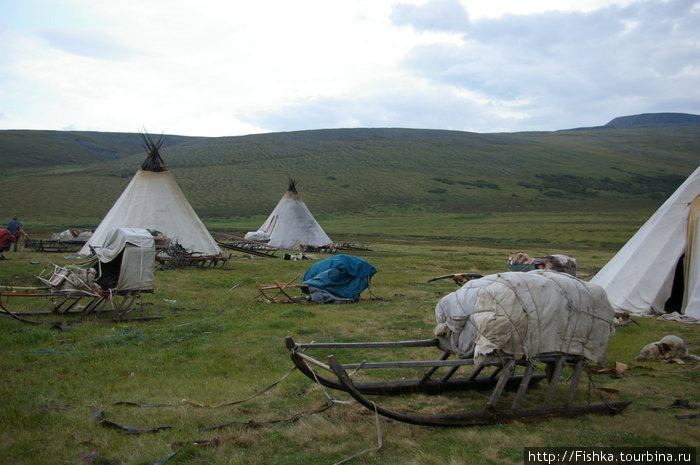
x=154 y=201
x=658 y=270
x=291 y=224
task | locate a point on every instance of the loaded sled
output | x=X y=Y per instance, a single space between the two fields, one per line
x=111 y=281
x=507 y=333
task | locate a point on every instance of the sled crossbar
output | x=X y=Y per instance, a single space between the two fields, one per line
x=368 y=345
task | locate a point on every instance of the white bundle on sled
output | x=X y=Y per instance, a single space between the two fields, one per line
x=257 y=236
x=525 y=314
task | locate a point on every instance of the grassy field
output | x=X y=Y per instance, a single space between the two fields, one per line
x=216 y=344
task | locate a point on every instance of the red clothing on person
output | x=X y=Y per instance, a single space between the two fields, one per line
x=6 y=238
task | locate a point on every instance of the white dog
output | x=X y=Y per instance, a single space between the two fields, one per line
x=670 y=348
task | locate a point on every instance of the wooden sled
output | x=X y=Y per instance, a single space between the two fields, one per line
x=245 y=246
x=65 y=301
x=53 y=245
x=501 y=377
x=116 y=304
x=83 y=306
x=281 y=291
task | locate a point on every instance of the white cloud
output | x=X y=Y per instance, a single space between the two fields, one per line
x=440 y=15
x=232 y=67
x=84 y=42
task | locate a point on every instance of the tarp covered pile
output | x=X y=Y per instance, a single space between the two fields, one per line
x=525 y=314
x=340 y=277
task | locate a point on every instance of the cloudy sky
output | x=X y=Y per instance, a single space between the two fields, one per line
x=235 y=67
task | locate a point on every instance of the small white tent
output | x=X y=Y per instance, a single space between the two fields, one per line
x=661 y=259
x=136 y=265
x=154 y=201
x=123 y=263
x=291 y=224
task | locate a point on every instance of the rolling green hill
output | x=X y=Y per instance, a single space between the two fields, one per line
x=651 y=119
x=73 y=178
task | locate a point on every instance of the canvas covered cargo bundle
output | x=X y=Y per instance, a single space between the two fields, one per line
x=526 y=314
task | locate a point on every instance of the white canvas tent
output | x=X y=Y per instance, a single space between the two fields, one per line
x=662 y=260
x=291 y=224
x=138 y=254
x=154 y=201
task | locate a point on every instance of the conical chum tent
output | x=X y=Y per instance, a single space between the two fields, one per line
x=658 y=269
x=291 y=224
x=154 y=201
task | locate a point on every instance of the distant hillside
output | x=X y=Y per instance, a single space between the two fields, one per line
x=75 y=177
x=22 y=150
x=653 y=119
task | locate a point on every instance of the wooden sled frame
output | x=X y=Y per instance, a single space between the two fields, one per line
x=201 y=261
x=53 y=245
x=245 y=246
x=502 y=377
x=281 y=292
x=64 y=304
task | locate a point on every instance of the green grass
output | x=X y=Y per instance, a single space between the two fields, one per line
x=429 y=203
x=216 y=343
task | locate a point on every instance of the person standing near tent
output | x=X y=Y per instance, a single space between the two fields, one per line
x=15 y=227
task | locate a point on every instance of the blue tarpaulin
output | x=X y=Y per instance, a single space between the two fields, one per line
x=343 y=276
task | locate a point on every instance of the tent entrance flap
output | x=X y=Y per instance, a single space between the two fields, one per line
x=109 y=272
x=691 y=296
x=675 y=300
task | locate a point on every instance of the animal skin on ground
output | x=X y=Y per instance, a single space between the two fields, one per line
x=556 y=262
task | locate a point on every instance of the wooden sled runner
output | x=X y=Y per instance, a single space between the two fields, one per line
x=502 y=377
x=63 y=303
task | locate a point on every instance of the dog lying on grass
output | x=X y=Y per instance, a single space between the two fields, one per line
x=670 y=348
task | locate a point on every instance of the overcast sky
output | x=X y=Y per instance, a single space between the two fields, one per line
x=235 y=67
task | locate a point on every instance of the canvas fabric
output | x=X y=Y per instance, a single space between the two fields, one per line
x=137 y=246
x=291 y=224
x=639 y=278
x=257 y=236
x=525 y=314
x=321 y=296
x=691 y=297
x=136 y=271
x=154 y=201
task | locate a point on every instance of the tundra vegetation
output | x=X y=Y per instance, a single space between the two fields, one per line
x=217 y=344
x=454 y=203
